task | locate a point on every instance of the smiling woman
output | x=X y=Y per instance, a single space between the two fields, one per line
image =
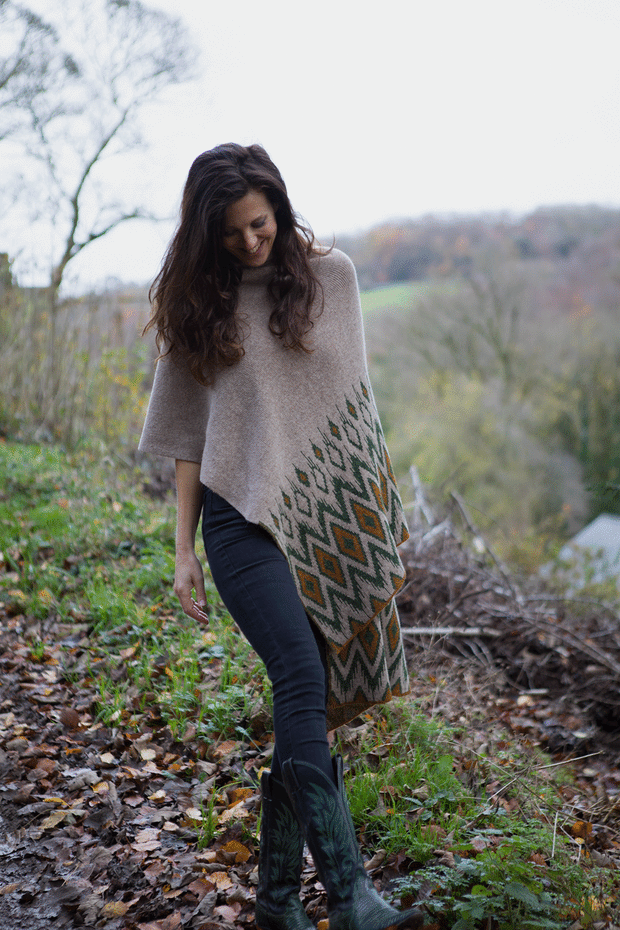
x=232 y=197
x=262 y=397
x=250 y=229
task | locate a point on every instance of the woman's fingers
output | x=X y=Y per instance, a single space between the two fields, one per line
x=189 y=578
x=198 y=611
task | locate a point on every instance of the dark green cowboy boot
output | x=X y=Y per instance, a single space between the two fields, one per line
x=279 y=862
x=353 y=903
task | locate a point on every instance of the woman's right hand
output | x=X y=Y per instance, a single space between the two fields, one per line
x=188 y=577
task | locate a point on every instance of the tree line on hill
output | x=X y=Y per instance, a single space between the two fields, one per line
x=583 y=239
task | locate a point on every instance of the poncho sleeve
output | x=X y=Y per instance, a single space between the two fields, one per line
x=177 y=414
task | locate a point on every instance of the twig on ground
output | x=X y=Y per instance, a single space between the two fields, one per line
x=410 y=632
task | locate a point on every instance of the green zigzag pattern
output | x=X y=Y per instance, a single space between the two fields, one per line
x=371 y=669
x=339 y=521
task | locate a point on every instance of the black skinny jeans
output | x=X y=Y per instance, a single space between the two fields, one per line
x=253 y=579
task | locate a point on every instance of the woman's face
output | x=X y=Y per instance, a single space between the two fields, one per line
x=250 y=229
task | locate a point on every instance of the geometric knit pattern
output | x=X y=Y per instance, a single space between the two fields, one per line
x=371 y=669
x=339 y=520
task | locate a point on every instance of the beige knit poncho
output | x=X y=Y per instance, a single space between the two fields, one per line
x=293 y=441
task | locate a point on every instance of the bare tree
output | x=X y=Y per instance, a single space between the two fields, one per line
x=116 y=57
x=479 y=327
x=32 y=66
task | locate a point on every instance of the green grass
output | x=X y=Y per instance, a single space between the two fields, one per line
x=392 y=296
x=485 y=839
x=509 y=861
x=81 y=545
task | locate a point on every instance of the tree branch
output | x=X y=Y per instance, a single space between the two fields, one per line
x=71 y=247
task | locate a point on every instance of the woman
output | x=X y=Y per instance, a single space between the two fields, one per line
x=261 y=395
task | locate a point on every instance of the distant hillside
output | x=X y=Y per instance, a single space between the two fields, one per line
x=577 y=239
x=375 y=300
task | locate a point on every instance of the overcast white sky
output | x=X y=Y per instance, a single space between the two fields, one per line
x=391 y=108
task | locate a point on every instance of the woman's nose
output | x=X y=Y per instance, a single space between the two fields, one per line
x=250 y=239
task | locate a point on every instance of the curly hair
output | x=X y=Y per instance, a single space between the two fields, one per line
x=194 y=296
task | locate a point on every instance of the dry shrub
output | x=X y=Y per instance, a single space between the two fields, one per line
x=74 y=374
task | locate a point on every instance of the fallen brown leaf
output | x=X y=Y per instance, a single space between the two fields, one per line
x=445 y=857
x=8 y=889
x=168 y=923
x=237 y=811
x=193 y=815
x=201 y=887
x=223 y=749
x=221 y=879
x=69 y=718
x=208 y=855
x=53 y=819
x=227 y=911
x=376 y=860
x=241 y=794
x=242 y=853
x=146 y=840
x=114 y=909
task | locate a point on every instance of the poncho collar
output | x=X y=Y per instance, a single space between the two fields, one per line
x=258 y=276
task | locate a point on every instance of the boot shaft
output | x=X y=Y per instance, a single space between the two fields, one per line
x=280 y=860
x=321 y=807
x=281 y=844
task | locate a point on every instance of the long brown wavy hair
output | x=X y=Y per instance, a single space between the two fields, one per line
x=194 y=296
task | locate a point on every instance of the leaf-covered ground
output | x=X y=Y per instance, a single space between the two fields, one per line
x=131 y=744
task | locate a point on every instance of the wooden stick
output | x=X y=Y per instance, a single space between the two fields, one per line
x=450 y=631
